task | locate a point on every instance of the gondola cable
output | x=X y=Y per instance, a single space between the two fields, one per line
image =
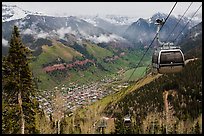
x=187 y=23
x=168 y=58
x=179 y=21
x=152 y=41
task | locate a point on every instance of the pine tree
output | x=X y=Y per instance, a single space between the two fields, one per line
x=18 y=89
x=197 y=128
x=119 y=126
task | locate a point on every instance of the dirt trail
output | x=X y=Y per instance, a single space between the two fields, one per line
x=98 y=107
x=165 y=96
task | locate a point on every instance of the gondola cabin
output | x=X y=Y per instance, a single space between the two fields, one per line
x=127 y=121
x=168 y=60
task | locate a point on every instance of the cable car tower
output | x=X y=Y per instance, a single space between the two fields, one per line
x=167 y=58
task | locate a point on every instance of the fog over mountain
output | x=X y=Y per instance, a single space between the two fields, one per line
x=97 y=29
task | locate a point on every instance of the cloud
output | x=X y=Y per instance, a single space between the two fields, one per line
x=62 y=31
x=42 y=35
x=33 y=32
x=5 y=42
x=104 y=38
x=28 y=31
x=20 y=24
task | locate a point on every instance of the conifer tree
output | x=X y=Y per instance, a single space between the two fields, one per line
x=119 y=126
x=19 y=107
x=197 y=128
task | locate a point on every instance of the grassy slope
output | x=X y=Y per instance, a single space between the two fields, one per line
x=98 y=52
x=93 y=73
x=48 y=55
x=136 y=73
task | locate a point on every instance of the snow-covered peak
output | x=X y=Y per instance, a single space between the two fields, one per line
x=90 y=19
x=113 y=19
x=196 y=18
x=120 y=20
x=159 y=15
x=12 y=12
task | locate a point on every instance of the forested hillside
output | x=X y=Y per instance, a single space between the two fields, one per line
x=191 y=44
x=84 y=74
x=170 y=104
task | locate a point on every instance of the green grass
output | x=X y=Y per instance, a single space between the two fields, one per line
x=98 y=52
x=49 y=54
x=85 y=76
x=136 y=74
x=93 y=73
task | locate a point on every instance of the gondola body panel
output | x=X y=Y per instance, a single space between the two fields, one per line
x=168 y=61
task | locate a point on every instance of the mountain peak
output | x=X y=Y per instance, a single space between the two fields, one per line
x=13 y=12
x=159 y=15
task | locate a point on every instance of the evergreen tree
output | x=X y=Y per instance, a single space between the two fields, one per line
x=19 y=108
x=197 y=128
x=119 y=126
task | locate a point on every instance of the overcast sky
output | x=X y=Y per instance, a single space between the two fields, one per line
x=137 y=9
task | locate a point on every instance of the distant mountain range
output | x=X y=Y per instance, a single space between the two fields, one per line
x=144 y=30
x=191 y=43
x=118 y=31
x=59 y=41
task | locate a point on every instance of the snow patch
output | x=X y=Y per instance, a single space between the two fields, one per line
x=119 y=20
x=113 y=19
x=91 y=21
x=12 y=12
x=150 y=21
